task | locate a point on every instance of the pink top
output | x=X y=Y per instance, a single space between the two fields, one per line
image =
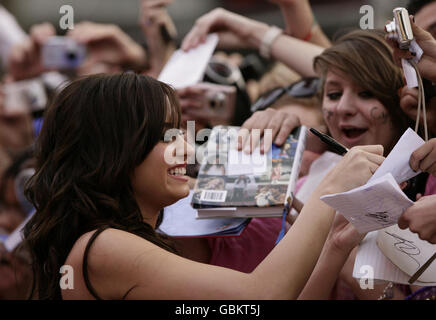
x=430 y=187
x=245 y=252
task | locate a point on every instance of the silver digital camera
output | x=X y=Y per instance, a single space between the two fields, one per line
x=62 y=53
x=399 y=28
x=220 y=102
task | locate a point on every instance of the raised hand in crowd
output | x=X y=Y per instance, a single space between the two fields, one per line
x=159 y=31
x=25 y=59
x=409 y=104
x=281 y=122
x=236 y=31
x=107 y=44
x=427 y=63
x=193 y=100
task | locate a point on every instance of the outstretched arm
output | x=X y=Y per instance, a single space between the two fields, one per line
x=300 y=22
x=342 y=239
x=145 y=271
x=238 y=31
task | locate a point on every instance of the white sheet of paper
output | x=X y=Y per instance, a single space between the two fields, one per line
x=368 y=253
x=370 y=257
x=380 y=202
x=318 y=170
x=16 y=237
x=408 y=252
x=397 y=162
x=187 y=68
x=180 y=219
x=373 y=206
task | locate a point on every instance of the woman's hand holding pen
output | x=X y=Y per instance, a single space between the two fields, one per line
x=354 y=169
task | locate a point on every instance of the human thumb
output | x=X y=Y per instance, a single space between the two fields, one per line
x=418 y=33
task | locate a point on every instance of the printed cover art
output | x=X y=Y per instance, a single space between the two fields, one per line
x=229 y=178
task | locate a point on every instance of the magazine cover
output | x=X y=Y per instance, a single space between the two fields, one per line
x=231 y=178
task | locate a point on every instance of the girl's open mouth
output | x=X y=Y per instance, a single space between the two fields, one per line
x=353 y=133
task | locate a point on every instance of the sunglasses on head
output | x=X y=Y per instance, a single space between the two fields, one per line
x=304 y=88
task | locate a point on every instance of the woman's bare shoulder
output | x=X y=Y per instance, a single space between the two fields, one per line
x=110 y=244
x=111 y=256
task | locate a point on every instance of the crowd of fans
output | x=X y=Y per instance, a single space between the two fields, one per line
x=85 y=168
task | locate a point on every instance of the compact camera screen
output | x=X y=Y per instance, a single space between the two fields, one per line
x=62 y=53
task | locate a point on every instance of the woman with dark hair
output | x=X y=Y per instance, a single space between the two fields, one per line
x=91 y=170
x=103 y=174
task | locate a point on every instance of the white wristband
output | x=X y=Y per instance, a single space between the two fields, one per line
x=267 y=41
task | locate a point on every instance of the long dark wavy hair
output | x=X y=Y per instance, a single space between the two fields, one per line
x=95 y=133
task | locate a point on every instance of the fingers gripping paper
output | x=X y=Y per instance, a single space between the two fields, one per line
x=392 y=254
x=380 y=202
x=376 y=205
x=187 y=68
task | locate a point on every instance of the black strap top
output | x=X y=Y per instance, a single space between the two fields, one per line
x=85 y=261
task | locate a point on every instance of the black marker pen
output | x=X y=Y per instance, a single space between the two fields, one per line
x=332 y=143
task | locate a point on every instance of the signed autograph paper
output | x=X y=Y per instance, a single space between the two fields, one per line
x=404 y=249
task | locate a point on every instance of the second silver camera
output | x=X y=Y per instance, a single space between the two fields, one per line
x=62 y=53
x=399 y=28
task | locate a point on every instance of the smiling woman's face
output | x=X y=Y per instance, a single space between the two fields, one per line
x=354 y=116
x=160 y=180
